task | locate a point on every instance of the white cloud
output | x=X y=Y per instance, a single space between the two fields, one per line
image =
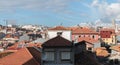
x=95 y=3
x=107 y=11
x=113 y=9
x=34 y=4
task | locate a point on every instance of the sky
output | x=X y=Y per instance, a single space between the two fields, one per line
x=58 y=12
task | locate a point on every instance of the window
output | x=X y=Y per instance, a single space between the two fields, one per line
x=93 y=36
x=59 y=33
x=89 y=49
x=110 y=32
x=65 y=56
x=112 y=40
x=49 y=56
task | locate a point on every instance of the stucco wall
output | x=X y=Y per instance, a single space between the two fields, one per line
x=65 y=34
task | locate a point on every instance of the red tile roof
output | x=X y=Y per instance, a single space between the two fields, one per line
x=88 y=39
x=82 y=30
x=20 y=57
x=15 y=46
x=35 y=53
x=57 y=41
x=108 y=29
x=58 y=28
x=116 y=48
x=101 y=51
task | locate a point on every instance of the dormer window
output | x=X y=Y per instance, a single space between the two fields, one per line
x=49 y=56
x=65 y=56
x=59 y=33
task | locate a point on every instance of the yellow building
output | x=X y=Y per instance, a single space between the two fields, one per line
x=108 y=36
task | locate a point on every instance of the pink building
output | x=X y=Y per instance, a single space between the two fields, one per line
x=84 y=33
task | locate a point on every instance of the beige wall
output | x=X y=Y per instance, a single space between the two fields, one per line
x=111 y=40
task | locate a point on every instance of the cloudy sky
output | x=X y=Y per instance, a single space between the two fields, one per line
x=56 y=12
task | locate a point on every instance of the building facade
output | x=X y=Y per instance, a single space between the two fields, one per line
x=108 y=36
x=53 y=32
x=58 y=51
x=84 y=32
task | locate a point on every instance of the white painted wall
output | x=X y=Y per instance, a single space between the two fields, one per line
x=65 y=34
x=97 y=44
x=1 y=49
x=115 y=55
x=115 y=52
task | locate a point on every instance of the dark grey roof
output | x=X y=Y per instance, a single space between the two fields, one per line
x=57 y=42
x=25 y=37
x=40 y=40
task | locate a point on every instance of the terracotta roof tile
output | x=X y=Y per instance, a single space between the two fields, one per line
x=88 y=39
x=15 y=46
x=35 y=53
x=83 y=30
x=20 y=57
x=57 y=41
x=116 y=48
x=59 y=28
x=107 y=29
x=101 y=51
x=34 y=45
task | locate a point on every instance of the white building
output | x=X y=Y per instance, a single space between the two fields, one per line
x=59 y=30
x=115 y=55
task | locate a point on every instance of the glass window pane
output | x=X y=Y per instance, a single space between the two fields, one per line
x=49 y=56
x=65 y=55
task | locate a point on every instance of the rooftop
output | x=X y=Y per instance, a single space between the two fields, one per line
x=57 y=41
x=101 y=52
x=21 y=57
x=83 y=30
x=58 y=28
x=108 y=29
x=88 y=39
x=116 y=48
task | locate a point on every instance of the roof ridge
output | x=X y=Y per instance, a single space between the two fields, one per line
x=58 y=41
x=31 y=55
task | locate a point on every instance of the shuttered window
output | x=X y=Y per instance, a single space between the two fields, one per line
x=65 y=56
x=49 y=56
